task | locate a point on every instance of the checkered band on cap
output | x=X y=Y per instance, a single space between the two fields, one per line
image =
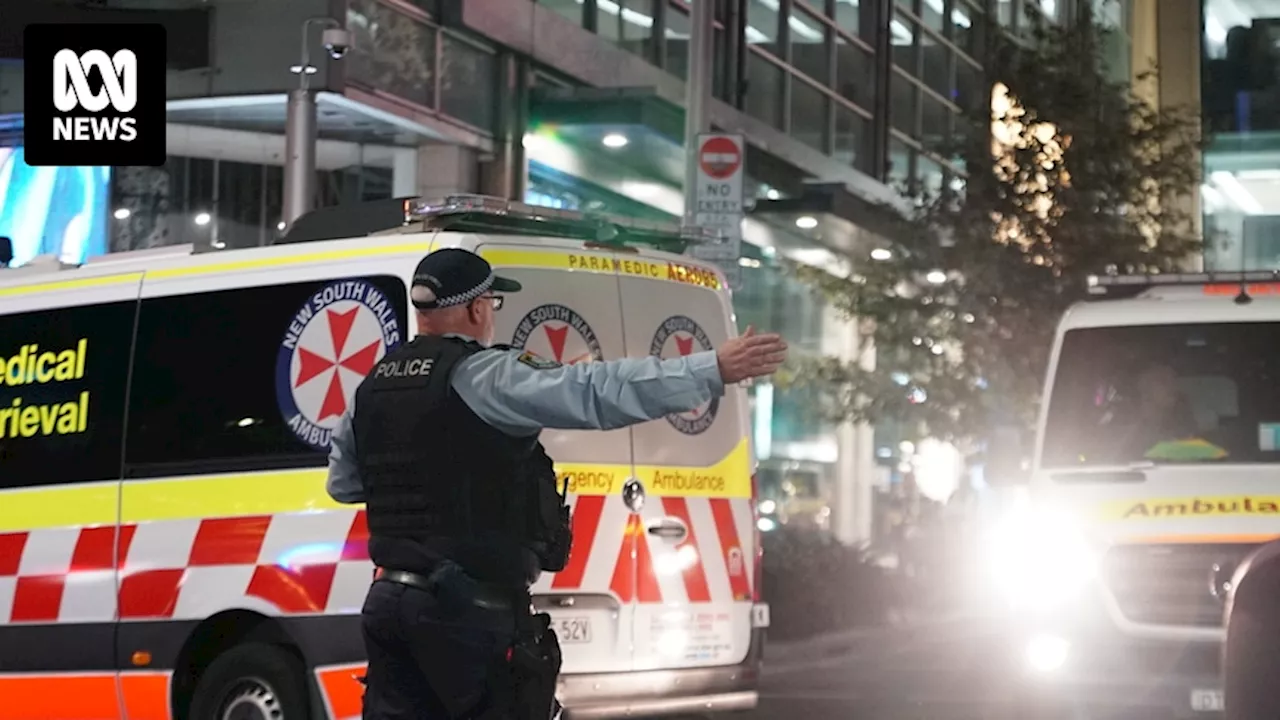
x=466 y=297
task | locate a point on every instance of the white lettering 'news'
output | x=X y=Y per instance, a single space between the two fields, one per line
x=119 y=81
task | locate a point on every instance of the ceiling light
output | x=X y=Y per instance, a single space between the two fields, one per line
x=614 y=140
x=881 y=254
x=1237 y=192
x=280 y=225
x=937 y=277
x=203 y=218
x=122 y=213
x=806 y=222
x=772 y=194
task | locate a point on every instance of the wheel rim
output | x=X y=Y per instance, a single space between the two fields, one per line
x=251 y=699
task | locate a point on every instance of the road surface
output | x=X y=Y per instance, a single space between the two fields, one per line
x=945 y=671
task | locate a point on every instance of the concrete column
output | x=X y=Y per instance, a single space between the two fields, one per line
x=404 y=172
x=505 y=174
x=855 y=472
x=446 y=170
x=1179 y=44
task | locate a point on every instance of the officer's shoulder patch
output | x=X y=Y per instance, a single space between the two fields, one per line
x=537 y=362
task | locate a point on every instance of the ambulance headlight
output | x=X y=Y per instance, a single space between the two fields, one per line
x=1038 y=559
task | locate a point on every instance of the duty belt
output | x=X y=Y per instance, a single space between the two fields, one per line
x=486 y=596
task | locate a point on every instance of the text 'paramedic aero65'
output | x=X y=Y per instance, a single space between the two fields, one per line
x=167 y=547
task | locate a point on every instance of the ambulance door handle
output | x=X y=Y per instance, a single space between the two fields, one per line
x=670 y=528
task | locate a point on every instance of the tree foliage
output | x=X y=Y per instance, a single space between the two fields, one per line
x=1078 y=176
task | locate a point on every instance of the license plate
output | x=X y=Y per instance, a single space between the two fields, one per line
x=1207 y=700
x=573 y=630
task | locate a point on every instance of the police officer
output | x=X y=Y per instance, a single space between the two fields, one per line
x=437 y=444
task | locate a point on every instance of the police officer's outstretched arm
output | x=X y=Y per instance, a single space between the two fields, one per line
x=521 y=394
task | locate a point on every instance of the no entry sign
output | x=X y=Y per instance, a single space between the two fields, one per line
x=720 y=156
x=718 y=200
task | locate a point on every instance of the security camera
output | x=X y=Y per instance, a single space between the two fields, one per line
x=337 y=41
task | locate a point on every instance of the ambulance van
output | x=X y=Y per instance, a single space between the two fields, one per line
x=167 y=548
x=1154 y=478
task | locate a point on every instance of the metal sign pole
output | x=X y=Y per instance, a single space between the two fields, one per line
x=697 y=92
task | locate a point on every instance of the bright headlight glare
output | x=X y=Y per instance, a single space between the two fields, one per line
x=1039 y=559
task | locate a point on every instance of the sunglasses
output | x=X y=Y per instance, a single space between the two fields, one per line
x=497 y=300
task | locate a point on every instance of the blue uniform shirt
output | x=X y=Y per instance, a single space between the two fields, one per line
x=520 y=399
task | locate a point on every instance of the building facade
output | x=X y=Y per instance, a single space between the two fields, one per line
x=574 y=104
x=1240 y=76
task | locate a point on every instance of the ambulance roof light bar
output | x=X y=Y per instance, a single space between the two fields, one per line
x=481 y=213
x=1113 y=286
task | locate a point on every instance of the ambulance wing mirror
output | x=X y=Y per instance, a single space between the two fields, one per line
x=1006 y=458
x=6 y=251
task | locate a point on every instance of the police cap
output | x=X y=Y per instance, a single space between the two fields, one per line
x=452 y=277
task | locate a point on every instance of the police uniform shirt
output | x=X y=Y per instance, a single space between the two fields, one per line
x=521 y=396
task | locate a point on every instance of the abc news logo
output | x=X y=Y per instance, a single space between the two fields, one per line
x=94 y=94
x=71 y=91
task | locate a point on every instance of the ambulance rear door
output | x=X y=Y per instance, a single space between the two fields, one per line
x=569 y=311
x=693 y=590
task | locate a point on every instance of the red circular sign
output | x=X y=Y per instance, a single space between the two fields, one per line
x=720 y=157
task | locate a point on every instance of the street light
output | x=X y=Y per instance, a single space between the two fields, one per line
x=300 y=123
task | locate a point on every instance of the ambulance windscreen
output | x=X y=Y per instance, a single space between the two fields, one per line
x=1165 y=394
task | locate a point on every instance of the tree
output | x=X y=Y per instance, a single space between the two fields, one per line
x=1077 y=177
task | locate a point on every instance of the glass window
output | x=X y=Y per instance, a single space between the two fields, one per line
x=809 y=113
x=931 y=14
x=762 y=24
x=467 y=83
x=903 y=32
x=930 y=175
x=939 y=69
x=391 y=52
x=854 y=67
x=678 y=32
x=810 y=46
x=300 y=351
x=971 y=91
x=901 y=164
x=935 y=120
x=851 y=136
x=764 y=90
x=903 y=100
x=1181 y=393
x=964 y=29
x=627 y=23
x=568 y=8
x=63 y=375
x=848 y=17
x=1005 y=12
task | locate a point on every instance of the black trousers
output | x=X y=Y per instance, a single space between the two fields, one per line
x=429 y=657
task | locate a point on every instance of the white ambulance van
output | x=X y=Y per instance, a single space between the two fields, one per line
x=1154 y=477
x=167 y=548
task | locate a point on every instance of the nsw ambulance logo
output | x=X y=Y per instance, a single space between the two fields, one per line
x=332 y=343
x=678 y=336
x=557 y=331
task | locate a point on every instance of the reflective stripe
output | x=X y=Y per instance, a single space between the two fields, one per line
x=343 y=694
x=66 y=280
x=144 y=696
x=269 y=493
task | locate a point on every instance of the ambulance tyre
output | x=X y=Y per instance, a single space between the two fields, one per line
x=253 y=681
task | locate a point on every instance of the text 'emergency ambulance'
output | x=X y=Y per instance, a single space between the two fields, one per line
x=30 y=366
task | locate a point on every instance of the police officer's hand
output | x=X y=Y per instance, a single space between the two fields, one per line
x=750 y=356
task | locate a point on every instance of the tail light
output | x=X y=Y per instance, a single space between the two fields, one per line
x=757 y=590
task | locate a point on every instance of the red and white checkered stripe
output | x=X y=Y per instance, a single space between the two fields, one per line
x=294 y=563
x=318 y=562
x=710 y=564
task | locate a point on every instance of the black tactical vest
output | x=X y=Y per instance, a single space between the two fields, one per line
x=439 y=482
